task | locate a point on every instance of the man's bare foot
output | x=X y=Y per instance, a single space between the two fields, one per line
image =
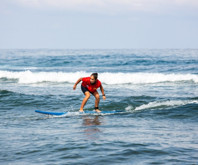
x=97 y=110
x=81 y=110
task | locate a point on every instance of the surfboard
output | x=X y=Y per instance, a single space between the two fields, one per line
x=85 y=112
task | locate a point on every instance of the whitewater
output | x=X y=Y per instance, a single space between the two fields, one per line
x=107 y=78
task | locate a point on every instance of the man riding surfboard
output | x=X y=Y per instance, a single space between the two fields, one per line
x=89 y=86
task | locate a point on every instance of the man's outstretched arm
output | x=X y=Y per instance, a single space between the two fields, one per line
x=103 y=94
x=79 y=80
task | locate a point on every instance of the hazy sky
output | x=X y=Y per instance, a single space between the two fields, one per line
x=96 y=24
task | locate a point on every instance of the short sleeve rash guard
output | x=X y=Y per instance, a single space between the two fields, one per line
x=91 y=87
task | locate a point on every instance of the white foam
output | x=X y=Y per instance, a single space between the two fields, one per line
x=107 y=78
x=145 y=78
x=163 y=104
x=37 y=77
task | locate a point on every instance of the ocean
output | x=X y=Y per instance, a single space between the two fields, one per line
x=156 y=90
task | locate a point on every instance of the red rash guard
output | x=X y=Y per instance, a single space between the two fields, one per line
x=91 y=87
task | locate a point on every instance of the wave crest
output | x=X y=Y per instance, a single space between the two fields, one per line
x=162 y=104
x=107 y=77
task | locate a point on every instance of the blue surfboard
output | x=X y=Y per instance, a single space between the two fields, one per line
x=85 y=112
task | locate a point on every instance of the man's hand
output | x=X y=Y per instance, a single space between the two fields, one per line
x=74 y=87
x=104 y=97
x=79 y=80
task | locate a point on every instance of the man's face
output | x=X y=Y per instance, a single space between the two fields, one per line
x=92 y=80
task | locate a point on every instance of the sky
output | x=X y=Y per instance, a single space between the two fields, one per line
x=98 y=24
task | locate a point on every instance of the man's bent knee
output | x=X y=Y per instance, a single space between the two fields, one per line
x=87 y=94
x=97 y=96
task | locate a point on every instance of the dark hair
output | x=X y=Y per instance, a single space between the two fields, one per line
x=95 y=75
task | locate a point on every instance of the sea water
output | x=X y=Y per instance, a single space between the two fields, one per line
x=156 y=90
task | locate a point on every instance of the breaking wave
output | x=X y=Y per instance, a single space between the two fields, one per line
x=162 y=104
x=29 y=77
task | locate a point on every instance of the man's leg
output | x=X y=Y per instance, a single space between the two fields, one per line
x=97 y=100
x=87 y=96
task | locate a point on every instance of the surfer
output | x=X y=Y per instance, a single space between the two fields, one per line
x=89 y=86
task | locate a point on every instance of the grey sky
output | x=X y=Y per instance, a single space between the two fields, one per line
x=98 y=24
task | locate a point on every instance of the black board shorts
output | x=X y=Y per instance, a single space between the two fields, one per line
x=84 y=89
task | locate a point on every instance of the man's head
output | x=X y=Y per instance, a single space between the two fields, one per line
x=93 y=78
